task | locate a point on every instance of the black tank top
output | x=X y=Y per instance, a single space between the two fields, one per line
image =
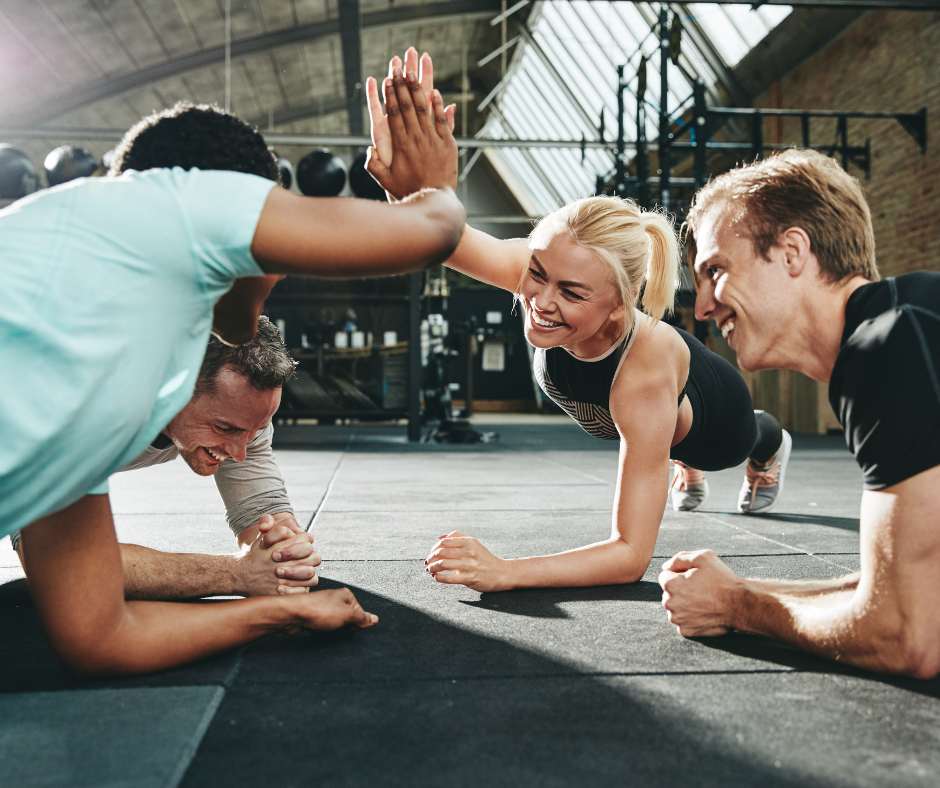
x=581 y=388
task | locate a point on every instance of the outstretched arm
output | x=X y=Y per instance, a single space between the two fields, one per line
x=646 y=415
x=73 y=564
x=888 y=622
x=414 y=116
x=345 y=238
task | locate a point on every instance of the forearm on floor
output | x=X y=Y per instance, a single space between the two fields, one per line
x=151 y=636
x=154 y=574
x=829 y=625
x=603 y=563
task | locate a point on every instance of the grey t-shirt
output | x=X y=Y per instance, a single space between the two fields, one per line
x=249 y=488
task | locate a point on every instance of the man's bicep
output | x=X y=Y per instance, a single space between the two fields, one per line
x=900 y=543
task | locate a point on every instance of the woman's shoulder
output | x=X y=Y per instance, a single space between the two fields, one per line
x=652 y=366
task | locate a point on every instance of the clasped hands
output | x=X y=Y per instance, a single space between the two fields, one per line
x=278 y=558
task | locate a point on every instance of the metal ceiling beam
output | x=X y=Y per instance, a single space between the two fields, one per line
x=78 y=96
x=350 y=36
x=894 y=5
x=329 y=105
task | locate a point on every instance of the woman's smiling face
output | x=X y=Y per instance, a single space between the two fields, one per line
x=569 y=296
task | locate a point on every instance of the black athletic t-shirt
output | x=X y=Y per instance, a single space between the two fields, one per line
x=885 y=385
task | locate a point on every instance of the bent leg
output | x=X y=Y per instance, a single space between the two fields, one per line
x=766 y=469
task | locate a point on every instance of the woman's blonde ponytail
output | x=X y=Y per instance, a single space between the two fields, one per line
x=662 y=273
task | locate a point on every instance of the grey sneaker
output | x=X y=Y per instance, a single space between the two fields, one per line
x=764 y=483
x=688 y=489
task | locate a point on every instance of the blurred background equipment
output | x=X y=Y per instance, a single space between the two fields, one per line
x=321 y=174
x=18 y=176
x=286 y=171
x=68 y=162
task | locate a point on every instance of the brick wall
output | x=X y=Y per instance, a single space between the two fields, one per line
x=884 y=61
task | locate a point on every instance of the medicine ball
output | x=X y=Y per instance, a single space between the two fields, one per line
x=18 y=176
x=66 y=163
x=321 y=174
x=286 y=171
x=363 y=184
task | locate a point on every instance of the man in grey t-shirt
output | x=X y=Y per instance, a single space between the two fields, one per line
x=225 y=431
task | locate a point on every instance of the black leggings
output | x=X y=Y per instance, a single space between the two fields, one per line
x=726 y=430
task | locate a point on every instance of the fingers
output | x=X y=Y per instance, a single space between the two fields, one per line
x=426 y=73
x=451 y=533
x=441 y=124
x=452 y=577
x=394 y=64
x=664 y=577
x=446 y=552
x=421 y=100
x=355 y=615
x=378 y=125
x=276 y=533
x=392 y=108
x=455 y=541
x=286 y=590
x=406 y=110
x=302 y=573
x=449 y=564
x=300 y=548
x=687 y=559
x=451 y=111
x=410 y=66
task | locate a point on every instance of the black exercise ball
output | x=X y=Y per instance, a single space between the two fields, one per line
x=66 y=163
x=361 y=183
x=286 y=172
x=18 y=176
x=321 y=174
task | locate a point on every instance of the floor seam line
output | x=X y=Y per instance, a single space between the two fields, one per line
x=314 y=518
x=817 y=556
x=191 y=747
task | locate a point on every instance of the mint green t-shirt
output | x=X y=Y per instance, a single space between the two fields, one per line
x=106 y=293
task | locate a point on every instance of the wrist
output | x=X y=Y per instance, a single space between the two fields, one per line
x=508 y=575
x=281 y=613
x=237 y=572
x=737 y=603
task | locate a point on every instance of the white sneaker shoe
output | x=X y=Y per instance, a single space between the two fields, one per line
x=764 y=483
x=688 y=488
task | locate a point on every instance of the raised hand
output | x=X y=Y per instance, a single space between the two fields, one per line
x=424 y=152
x=463 y=560
x=421 y=69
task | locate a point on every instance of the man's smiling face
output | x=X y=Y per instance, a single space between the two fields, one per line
x=750 y=298
x=218 y=425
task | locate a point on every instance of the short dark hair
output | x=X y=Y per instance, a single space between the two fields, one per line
x=263 y=360
x=796 y=188
x=195 y=135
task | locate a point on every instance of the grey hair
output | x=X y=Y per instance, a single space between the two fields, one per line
x=263 y=360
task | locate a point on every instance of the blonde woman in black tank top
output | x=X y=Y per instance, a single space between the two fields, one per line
x=577 y=278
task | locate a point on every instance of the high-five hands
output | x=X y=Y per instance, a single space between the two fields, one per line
x=412 y=141
x=463 y=560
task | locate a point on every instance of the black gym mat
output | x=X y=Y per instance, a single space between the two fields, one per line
x=547 y=687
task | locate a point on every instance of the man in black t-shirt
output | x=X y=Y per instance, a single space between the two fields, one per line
x=784 y=258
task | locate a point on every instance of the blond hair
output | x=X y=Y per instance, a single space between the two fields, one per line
x=796 y=188
x=640 y=247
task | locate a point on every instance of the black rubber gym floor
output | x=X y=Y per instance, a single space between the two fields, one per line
x=460 y=688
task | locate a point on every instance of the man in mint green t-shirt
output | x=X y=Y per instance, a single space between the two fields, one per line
x=108 y=292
